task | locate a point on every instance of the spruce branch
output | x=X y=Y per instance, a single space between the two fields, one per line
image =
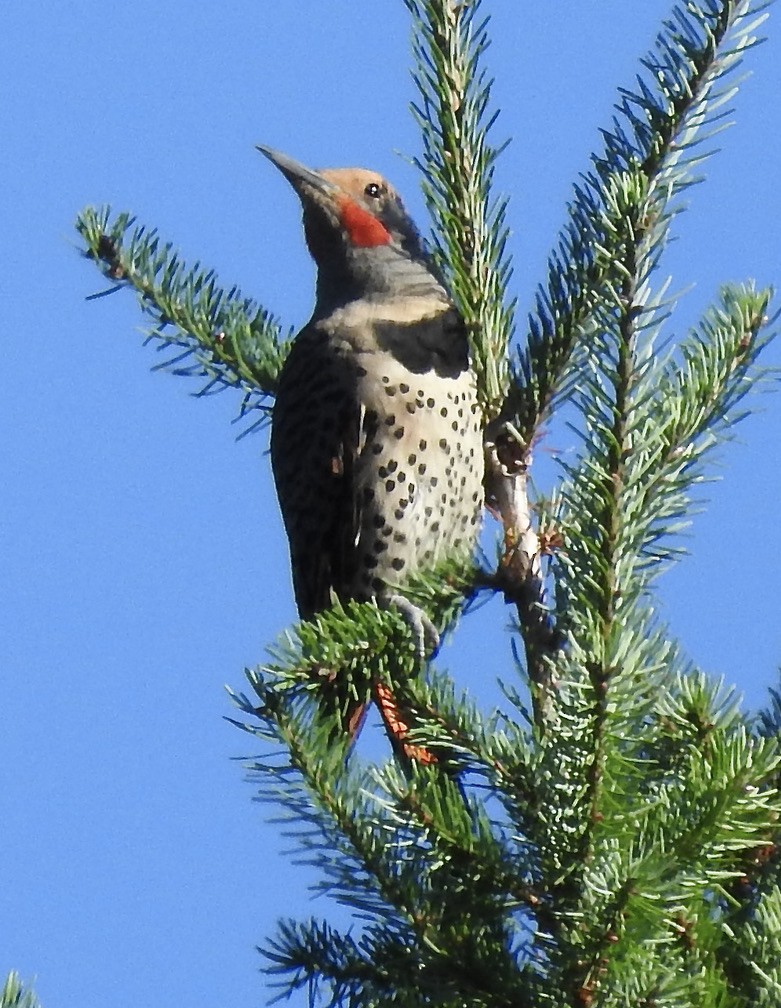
x=618 y=502
x=15 y=995
x=207 y=332
x=700 y=400
x=330 y=810
x=677 y=105
x=490 y=746
x=455 y=119
x=622 y=497
x=638 y=468
x=401 y=849
x=715 y=368
x=768 y=720
x=314 y=955
x=353 y=646
x=657 y=855
x=598 y=279
x=457 y=166
x=749 y=958
x=379 y=969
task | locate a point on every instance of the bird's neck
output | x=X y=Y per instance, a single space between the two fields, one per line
x=383 y=275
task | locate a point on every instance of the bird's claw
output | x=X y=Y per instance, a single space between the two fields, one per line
x=423 y=631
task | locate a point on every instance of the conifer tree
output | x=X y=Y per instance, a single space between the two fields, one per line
x=614 y=842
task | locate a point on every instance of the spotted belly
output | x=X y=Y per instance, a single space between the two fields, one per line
x=419 y=481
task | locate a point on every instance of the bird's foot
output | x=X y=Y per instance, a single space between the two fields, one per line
x=424 y=633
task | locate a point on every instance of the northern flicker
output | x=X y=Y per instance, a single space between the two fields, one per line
x=376 y=440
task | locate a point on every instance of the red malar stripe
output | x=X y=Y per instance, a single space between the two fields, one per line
x=364 y=229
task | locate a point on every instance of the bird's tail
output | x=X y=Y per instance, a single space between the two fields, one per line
x=397 y=727
x=346 y=713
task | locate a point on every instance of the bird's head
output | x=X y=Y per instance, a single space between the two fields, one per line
x=359 y=234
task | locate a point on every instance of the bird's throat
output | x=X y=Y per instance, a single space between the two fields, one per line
x=379 y=275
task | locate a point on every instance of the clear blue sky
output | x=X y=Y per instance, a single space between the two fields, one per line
x=142 y=554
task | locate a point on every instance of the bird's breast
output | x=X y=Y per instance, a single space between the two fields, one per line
x=419 y=477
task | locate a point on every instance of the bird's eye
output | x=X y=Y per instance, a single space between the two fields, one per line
x=374 y=190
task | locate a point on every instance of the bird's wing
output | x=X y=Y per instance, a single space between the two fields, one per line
x=317 y=435
x=316 y=438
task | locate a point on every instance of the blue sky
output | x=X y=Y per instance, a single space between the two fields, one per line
x=143 y=558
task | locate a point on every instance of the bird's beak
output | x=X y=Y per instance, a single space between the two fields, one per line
x=303 y=179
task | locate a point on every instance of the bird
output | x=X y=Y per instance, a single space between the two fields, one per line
x=376 y=433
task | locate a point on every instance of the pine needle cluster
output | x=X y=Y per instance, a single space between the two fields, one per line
x=15 y=995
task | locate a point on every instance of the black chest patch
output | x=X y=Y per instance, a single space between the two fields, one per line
x=437 y=344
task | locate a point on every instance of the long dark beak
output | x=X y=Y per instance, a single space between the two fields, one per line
x=298 y=175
